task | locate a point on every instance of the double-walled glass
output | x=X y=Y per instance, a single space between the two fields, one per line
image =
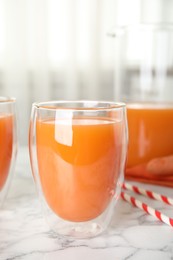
x=8 y=143
x=78 y=153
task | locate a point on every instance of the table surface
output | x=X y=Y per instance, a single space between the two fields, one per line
x=132 y=234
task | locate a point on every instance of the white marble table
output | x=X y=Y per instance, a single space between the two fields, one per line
x=24 y=233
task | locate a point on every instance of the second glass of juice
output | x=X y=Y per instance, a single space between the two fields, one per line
x=8 y=143
x=78 y=153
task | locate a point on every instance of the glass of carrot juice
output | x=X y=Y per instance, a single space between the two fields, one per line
x=8 y=143
x=78 y=153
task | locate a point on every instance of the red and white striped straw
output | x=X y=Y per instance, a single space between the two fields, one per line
x=148 y=193
x=151 y=211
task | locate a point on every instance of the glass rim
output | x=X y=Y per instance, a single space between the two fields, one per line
x=150 y=104
x=49 y=105
x=121 y=29
x=5 y=100
x=136 y=100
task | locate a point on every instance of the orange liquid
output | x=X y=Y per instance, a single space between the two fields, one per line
x=6 y=137
x=78 y=165
x=150 y=133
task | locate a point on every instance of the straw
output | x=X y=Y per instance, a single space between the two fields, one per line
x=148 y=193
x=151 y=211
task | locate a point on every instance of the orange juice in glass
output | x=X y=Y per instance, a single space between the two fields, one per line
x=78 y=152
x=7 y=143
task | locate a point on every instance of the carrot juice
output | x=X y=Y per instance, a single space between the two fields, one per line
x=150 y=132
x=6 y=139
x=79 y=165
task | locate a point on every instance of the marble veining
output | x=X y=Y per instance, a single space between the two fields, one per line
x=132 y=234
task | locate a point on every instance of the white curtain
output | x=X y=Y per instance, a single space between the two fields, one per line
x=59 y=49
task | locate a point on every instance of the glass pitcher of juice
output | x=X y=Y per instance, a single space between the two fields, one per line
x=144 y=80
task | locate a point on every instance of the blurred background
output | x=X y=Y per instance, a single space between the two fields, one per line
x=59 y=49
